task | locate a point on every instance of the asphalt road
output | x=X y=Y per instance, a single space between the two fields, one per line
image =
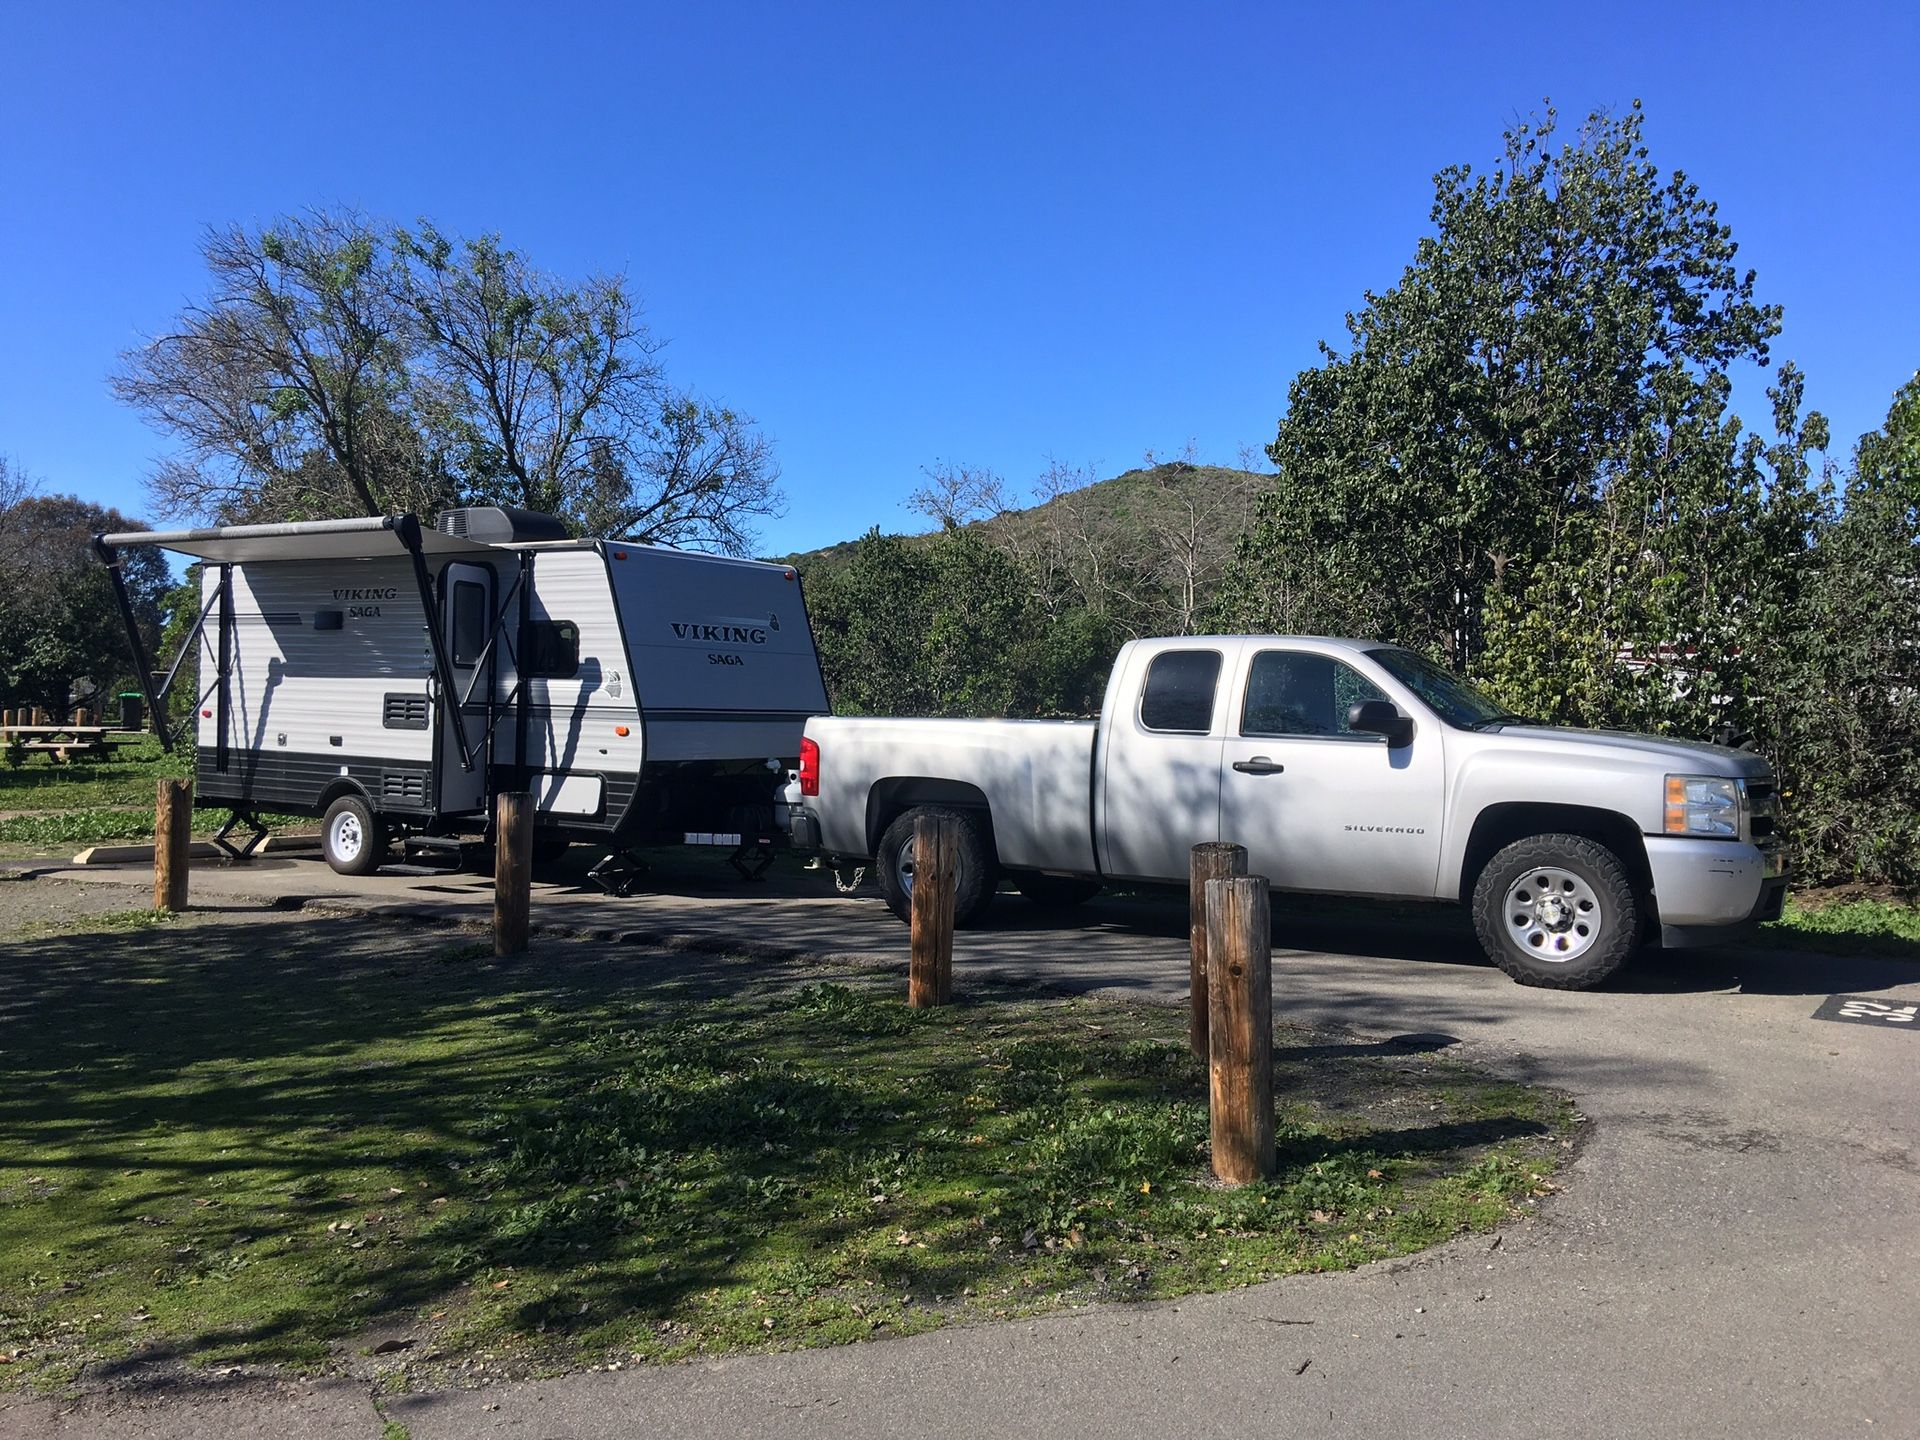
x=1737 y=1251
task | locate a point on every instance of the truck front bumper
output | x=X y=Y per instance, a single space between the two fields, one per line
x=1708 y=892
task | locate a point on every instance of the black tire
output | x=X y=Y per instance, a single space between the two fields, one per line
x=1557 y=911
x=973 y=887
x=1055 y=892
x=352 y=837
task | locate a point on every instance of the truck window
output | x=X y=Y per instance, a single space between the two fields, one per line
x=1290 y=692
x=1179 y=691
x=469 y=622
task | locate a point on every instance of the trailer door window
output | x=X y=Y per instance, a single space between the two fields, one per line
x=469 y=622
x=553 y=650
x=1178 y=696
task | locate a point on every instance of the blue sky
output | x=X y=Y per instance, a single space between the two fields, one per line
x=900 y=233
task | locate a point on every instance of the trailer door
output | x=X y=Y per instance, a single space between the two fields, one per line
x=466 y=601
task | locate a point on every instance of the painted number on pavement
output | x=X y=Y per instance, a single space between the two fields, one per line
x=1857 y=1009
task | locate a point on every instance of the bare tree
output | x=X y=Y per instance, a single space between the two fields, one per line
x=544 y=382
x=340 y=367
x=957 y=495
x=289 y=380
x=696 y=475
x=1194 y=519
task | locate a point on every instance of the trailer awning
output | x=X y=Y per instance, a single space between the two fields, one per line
x=366 y=538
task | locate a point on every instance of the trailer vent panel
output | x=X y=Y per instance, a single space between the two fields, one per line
x=404 y=712
x=407 y=787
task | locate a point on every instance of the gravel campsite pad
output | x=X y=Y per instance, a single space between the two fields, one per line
x=243 y=1137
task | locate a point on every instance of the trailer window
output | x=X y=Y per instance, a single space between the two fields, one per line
x=469 y=622
x=1179 y=691
x=553 y=650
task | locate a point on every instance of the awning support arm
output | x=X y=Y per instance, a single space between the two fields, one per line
x=142 y=662
x=480 y=670
x=186 y=646
x=407 y=527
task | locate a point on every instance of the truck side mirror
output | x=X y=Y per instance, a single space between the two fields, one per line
x=1379 y=717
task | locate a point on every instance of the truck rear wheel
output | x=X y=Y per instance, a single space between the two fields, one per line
x=1055 y=892
x=978 y=871
x=1557 y=911
x=352 y=837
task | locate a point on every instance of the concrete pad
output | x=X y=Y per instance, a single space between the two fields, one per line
x=197 y=850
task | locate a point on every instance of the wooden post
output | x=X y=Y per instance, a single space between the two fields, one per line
x=1240 y=998
x=936 y=854
x=172 y=833
x=512 y=871
x=39 y=716
x=80 y=718
x=1211 y=861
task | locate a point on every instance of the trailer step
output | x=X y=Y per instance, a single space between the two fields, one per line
x=436 y=842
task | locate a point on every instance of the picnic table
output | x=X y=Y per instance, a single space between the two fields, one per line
x=62 y=742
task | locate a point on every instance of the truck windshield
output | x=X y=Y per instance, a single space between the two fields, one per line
x=1452 y=699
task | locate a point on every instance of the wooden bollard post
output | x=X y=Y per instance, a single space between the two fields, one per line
x=512 y=871
x=172 y=833
x=936 y=854
x=39 y=716
x=1212 y=861
x=81 y=718
x=1240 y=1001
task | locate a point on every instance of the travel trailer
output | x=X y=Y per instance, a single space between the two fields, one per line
x=393 y=678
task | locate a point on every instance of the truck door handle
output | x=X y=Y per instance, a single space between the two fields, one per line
x=1258 y=765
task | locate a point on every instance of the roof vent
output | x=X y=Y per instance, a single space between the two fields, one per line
x=499 y=525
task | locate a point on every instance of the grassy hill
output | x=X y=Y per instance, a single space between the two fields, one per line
x=1124 y=515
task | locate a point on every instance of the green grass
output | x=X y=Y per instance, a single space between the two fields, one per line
x=1857 y=926
x=63 y=807
x=104 y=826
x=124 y=780
x=234 y=1143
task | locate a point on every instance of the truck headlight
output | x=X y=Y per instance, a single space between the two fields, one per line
x=1703 y=805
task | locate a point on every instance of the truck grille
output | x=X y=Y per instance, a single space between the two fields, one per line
x=1763 y=811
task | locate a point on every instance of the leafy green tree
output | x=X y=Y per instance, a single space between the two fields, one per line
x=911 y=626
x=61 y=635
x=1660 y=607
x=1849 y=731
x=1571 y=308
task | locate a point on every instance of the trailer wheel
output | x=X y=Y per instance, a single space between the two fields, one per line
x=1055 y=892
x=1557 y=911
x=352 y=837
x=973 y=887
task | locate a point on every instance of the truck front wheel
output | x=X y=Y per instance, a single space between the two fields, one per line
x=1558 y=911
x=978 y=871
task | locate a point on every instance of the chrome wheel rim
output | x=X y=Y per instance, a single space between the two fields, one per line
x=345 y=836
x=1553 y=914
x=903 y=868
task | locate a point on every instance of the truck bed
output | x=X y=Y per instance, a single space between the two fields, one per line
x=1036 y=776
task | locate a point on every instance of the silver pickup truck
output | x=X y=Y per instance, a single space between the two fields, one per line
x=1345 y=767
